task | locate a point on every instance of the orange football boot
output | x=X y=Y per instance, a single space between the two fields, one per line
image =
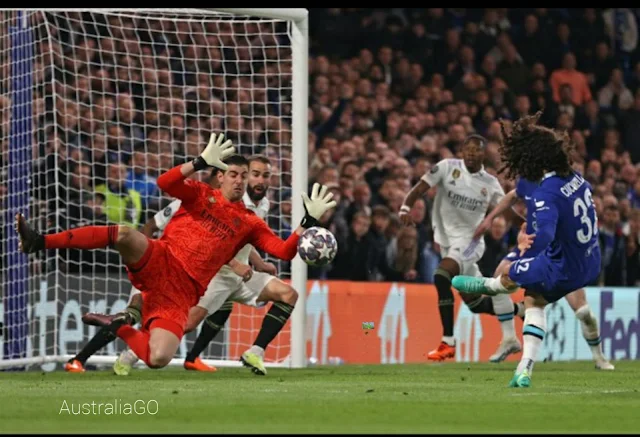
x=74 y=366
x=199 y=366
x=443 y=352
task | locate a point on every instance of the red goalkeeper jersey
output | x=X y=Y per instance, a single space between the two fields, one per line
x=208 y=230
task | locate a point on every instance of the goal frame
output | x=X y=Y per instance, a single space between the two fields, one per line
x=299 y=37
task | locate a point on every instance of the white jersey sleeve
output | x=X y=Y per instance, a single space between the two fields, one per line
x=437 y=173
x=163 y=217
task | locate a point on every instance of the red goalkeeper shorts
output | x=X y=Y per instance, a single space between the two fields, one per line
x=168 y=292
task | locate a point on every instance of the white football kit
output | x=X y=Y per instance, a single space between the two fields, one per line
x=461 y=203
x=226 y=285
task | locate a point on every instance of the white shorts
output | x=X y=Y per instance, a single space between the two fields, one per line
x=223 y=288
x=466 y=255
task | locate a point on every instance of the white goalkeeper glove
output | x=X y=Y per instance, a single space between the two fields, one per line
x=315 y=207
x=215 y=152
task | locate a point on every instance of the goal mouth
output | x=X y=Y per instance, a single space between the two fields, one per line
x=95 y=105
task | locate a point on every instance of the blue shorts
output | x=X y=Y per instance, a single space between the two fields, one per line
x=551 y=278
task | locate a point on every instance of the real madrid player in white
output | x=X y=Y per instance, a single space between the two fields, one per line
x=465 y=192
x=235 y=282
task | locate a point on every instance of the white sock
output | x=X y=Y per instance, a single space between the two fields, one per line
x=503 y=307
x=257 y=350
x=535 y=325
x=449 y=340
x=590 y=331
x=128 y=357
x=495 y=285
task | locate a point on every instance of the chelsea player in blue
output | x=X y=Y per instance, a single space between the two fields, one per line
x=566 y=233
x=577 y=299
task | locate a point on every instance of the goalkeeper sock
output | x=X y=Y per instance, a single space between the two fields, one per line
x=212 y=325
x=138 y=341
x=88 y=237
x=102 y=338
x=273 y=323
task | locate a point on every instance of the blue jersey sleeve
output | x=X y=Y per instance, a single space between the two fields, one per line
x=546 y=221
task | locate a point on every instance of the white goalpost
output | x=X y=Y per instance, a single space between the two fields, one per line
x=95 y=104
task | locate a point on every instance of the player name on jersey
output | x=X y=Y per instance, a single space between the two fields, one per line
x=572 y=186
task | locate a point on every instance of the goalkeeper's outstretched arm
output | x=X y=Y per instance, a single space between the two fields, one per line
x=264 y=239
x=174 y=181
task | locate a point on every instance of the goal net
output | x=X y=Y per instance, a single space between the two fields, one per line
x=95 y=104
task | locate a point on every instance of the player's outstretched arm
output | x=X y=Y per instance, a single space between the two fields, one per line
x=416 y=192
x=261 y=265
x=174 y=182
x=315 y=206
x=505 y=203
x=243 y=270
x=216 y=151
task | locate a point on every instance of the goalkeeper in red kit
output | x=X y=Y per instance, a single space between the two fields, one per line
x=174 y=271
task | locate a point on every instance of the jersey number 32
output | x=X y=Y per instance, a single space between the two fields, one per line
x=581 y=209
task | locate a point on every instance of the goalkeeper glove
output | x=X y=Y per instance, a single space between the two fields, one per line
x=215 y=152
x=315 y=207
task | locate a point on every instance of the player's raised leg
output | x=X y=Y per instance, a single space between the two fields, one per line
x=577 y=300
x=500 y=284
x=535 y=325
x=130 y=243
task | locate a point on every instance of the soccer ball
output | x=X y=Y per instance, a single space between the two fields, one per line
x=317 y=246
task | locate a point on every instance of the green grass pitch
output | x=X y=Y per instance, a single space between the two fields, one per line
x=418 y=398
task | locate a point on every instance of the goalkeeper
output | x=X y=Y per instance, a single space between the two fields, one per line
x=174 y=271
x=227 y=286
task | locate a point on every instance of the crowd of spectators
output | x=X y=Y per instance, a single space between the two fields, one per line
x=120 y=98
x=393 y=91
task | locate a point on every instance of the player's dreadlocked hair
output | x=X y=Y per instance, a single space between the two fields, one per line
x=531 y=150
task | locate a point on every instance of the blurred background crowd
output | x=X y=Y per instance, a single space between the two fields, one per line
x=392 y=92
